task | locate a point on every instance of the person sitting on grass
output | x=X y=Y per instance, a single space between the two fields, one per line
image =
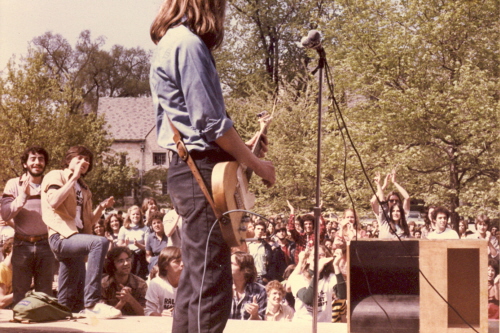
x=276 y=310
x=120 y=288
x=162 y=290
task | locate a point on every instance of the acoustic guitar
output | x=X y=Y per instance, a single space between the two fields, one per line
x=230 y=191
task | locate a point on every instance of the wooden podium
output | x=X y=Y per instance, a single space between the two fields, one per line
x=384 y=276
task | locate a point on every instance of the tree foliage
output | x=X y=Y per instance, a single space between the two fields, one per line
x=418 y=86
x=261 y=49
x=423 y=84
x=92 y=72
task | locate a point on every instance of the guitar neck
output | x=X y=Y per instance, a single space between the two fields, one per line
x=257 y=148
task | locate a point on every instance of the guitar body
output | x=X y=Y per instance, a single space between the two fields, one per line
x=230 y=192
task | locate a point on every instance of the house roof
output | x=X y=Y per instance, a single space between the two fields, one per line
x=129 y=118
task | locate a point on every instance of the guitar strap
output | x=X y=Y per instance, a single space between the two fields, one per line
x=184 y=155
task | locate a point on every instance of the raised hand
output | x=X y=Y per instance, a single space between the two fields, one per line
x=80 y=168
x=26 y=184
x=393 y=176
x=108 y=203
x=292 y=210
x=323 y=262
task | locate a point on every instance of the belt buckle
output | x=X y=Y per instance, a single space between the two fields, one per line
x=32 y=239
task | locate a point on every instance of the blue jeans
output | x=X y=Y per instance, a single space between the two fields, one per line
x=198 y=218
x=31 y=261
x=79 y=288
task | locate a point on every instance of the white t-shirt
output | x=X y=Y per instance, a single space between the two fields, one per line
x=303 y=312
x=160 y=296
x=446 y=234
x=79 y=205
x=133 y=233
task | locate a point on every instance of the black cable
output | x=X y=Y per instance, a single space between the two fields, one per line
x=328 y=73
x=330 y=86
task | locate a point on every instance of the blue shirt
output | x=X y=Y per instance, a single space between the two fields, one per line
x=186 y=87
x=155 y=245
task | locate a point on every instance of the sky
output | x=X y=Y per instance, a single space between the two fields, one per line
x=122 y=22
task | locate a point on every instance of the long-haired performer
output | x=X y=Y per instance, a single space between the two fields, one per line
x=186 y=89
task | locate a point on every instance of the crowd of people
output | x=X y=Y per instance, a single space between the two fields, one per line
x=114 y=263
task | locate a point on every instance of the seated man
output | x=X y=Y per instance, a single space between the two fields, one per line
x=120 y=288
x=6 y=295
x=276 y=311
x=249 y=297
x=162 y=290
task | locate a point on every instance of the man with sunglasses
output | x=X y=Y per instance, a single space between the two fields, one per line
x=32 y=258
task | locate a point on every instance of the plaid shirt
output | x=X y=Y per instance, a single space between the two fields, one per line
x=251 y=290
x=110 y=288
x=302 y=239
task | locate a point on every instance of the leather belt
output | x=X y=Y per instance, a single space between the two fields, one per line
x=31 y=239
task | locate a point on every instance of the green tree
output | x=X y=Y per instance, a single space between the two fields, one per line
x=153 y=181
x=420 y=87
x=92 y=72
x=260 y=49
x=112 y=175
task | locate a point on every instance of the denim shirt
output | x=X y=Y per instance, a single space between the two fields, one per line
x=186 y=87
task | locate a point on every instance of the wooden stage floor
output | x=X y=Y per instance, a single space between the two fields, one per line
x=156 y=325
x=131 y=324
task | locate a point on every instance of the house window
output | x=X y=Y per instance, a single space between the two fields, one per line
x=164 y=188
x=159 y=158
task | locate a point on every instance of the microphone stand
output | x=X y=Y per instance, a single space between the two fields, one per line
x=317 y=208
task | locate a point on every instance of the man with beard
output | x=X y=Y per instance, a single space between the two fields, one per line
x=32 y=257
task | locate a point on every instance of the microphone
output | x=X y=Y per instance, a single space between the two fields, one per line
x=312 y=41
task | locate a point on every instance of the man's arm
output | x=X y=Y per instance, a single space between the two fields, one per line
x=404 y=193
x=97 y=213
x=291 y=223
x=12 y=202
x=56 y=195
x=322 y=227
x=380 y=193
x=170 y=222
x=231 y=142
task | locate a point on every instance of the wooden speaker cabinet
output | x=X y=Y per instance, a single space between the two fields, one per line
x=387 y=293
